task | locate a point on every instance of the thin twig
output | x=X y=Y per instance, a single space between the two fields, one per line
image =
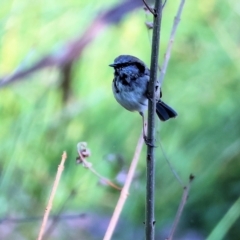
x=88 y=165
x=150 y=158
x=171 y=167
x=107 y=181
x=57 y=218
x=54 y=189
x=164 y=4
x=151 y=10
x=125 y=190
x=181 y=207
x=170 y=43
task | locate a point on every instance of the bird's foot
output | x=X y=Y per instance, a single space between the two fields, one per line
x=147 y=141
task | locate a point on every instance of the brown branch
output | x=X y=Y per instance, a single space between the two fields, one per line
x=73 y=49
x=181 y=207
x=151 y=10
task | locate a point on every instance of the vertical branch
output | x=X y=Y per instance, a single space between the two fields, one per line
x=150 y=184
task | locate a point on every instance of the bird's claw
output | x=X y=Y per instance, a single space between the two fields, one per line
x=147 y=142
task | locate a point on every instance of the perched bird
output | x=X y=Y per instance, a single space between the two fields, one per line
x=130 y=87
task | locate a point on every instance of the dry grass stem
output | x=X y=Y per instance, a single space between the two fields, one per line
x=84 y=153
x=181 y=207
x=54 y=189
x=170 y=43
x=125 y=190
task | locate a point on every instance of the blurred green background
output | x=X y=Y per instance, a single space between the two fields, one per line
x=36 y=126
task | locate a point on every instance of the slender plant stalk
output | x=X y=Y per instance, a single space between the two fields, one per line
x=181 y=207
x=84 y=153
x=150 y=183
x=124 y=192
x=50 y=201
x=170 y=43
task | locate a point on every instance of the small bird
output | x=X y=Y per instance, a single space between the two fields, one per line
x=130 y=87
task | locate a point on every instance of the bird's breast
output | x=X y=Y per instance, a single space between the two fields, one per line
x=132 y=96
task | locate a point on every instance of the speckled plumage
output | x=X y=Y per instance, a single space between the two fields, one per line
x=131 y=77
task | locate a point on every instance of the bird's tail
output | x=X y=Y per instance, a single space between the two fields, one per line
x=164 y=112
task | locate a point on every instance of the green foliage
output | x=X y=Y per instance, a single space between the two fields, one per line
x=202 y=84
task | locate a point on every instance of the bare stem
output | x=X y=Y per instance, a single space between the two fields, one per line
x=149 y=8
x=170 y=43
x=54 y=189
x=88 y=165
x=150 y=181
x=124 y=192
x=181 y=207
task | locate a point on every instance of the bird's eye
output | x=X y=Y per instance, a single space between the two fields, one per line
x=140 y=67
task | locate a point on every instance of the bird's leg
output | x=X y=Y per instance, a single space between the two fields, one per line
x=143 y=125
x=144 y=133
x=156 y=90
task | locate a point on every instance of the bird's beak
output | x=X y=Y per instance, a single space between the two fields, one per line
x=112 y=65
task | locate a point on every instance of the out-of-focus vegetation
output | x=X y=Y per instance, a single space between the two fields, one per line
x=202 y=84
